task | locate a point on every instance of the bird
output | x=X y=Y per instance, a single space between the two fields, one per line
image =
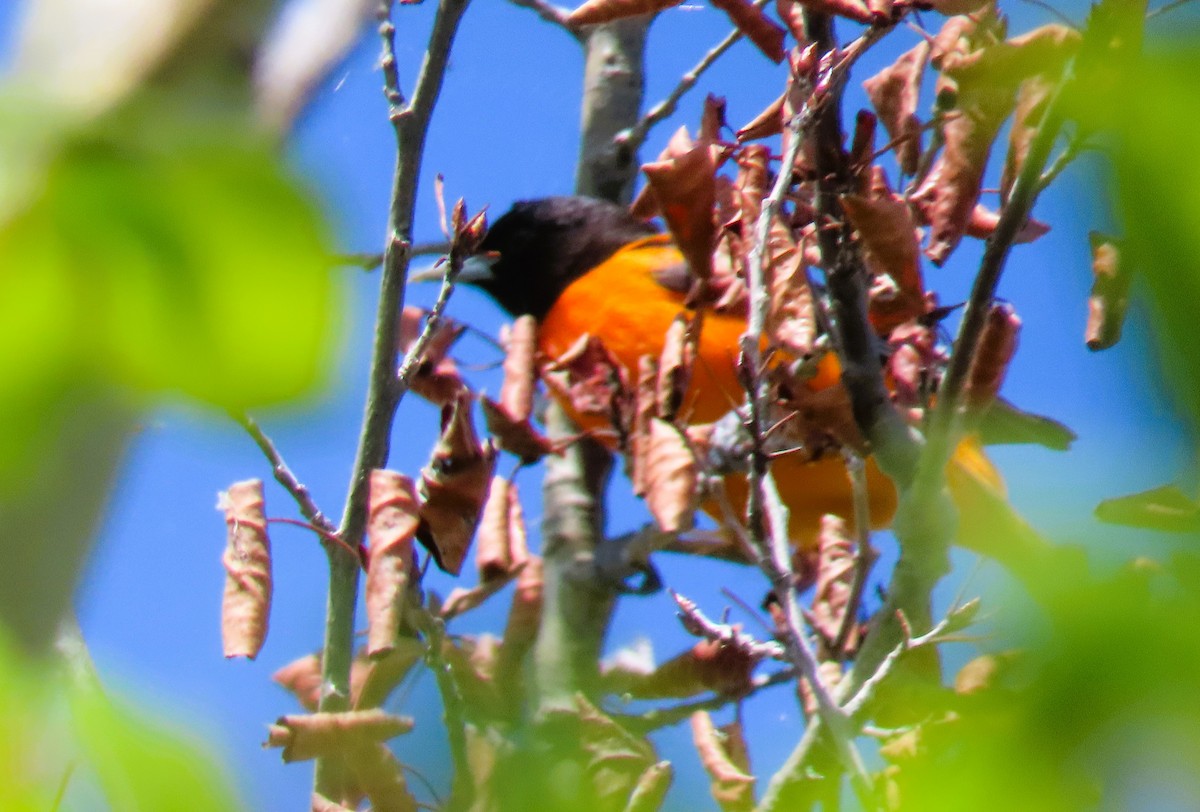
x=584 y=266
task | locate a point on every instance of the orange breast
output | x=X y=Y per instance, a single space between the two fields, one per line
x=622 y=303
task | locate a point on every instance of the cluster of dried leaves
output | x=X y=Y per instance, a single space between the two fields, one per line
x=711 y=189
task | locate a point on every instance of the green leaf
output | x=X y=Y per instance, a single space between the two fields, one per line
x=1149 y=106
x=170 y=253
x=1164 y=508
x=140 y=766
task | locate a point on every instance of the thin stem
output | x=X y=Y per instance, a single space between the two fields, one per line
x=411 y=125
x=635 y=136
x=991 y=267
x=416 y=353
x=285 y=477
x=864 y=554
x=659 y=718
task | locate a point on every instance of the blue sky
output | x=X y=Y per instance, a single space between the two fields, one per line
x=507 y=129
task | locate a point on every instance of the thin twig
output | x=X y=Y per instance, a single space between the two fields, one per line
x=556 y=15
x=634 y=137
x=659 y=718
x=766 y=515
x=416 y=353
x=453 y=708
x=325 y=535
x=285 y=477
x=864 y=554
x=944 y=418
x=865 y=691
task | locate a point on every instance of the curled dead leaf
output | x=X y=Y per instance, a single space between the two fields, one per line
x=645 y=408
x=453 y=485
x=393 y=515
x=885 y=225
x=1110 y=293
x=767 y=123
x=671 y=476
x=732 y=785
x=749 y=19
x=675 y=364
x=493 y=553
x=520 y=344
x=835 y=576
x=436 y=379
x=895 y=93
x=983 y=222
x=685 y=190
x=381 y=776
x=308 y=736
x=590 y=379
x=302 y=679
x=997 y=344
x=246 y=606
x=518 y=437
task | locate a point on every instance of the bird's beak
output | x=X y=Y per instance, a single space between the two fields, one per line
x=475 y=270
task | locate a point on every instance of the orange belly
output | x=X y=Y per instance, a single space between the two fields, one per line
x=621 y=302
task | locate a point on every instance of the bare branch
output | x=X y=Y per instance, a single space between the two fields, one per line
x=674 y=714
x=635 y=136
x=384 y=392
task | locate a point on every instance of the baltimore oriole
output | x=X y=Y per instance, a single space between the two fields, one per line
x=586 y=266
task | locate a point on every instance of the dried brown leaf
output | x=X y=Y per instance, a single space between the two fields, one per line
x=393 y=515
x=372 y=680
x=1032 y=97
x=675 y=364
x=685 y=190
x=997 y=344
x=592 y=381
x=246 y=606
x=594 y=12
x=671 y=476
x=651 y=789
x=645 y=408
x=767 y=123
x=732 y=788
x=895 y=93
x=518 y=437
x=381 y=776
x=302 y=679
x=524 y=617
x=835 y=574
x=888 y=232
x=307 y=736
x=1044 y=50
x=520 y=344
x=1110 y=293
x=983 y=222
x=453 y=486
x=322 y=804
x=749 y=19
x=791 y=319
x=436 y=379
x=493 y=553
x=947 y=197
x=616 y=758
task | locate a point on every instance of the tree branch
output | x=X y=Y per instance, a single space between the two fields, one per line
x=411 y=125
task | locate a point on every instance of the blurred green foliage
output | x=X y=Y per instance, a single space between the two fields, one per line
x=58 y=731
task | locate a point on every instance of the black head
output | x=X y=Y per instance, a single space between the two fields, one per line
x=545 y=245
